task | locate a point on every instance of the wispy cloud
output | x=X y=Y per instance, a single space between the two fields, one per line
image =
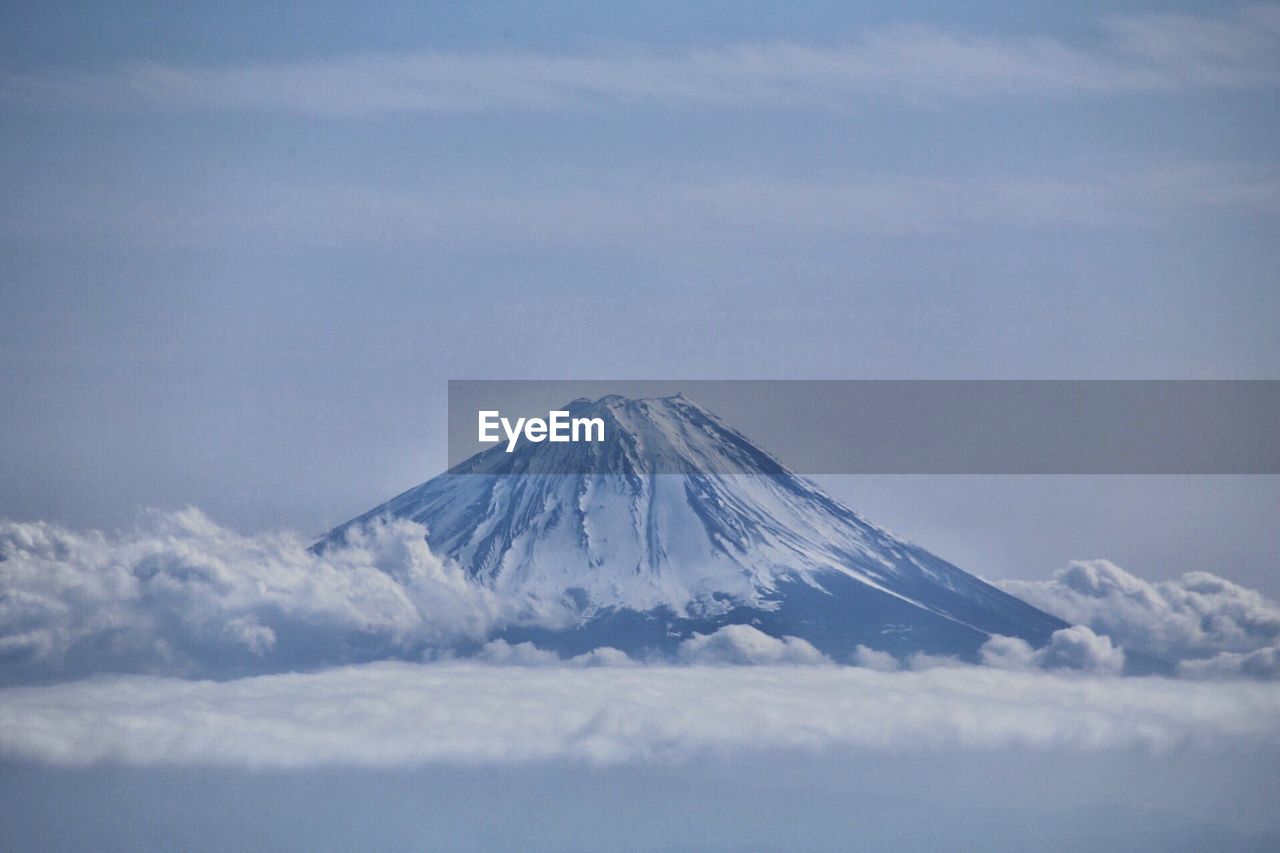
x=1149 y=53
x=627 y=210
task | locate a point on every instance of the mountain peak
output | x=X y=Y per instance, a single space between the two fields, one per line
x=656 y=532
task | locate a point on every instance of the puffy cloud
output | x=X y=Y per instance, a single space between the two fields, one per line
x=921 y=661
x=870 y=658
x=603 y=656
x=519 y=654
x=1070 y=648
x=184 y=595
x=502 y=653
x=1004 y=652
x=400 y=714
x=742 y=644
x=1075 y=647
x=1196 y=616
x=1078 y=647
x=1262 y=664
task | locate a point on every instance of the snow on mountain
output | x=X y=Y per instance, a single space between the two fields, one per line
x=665 y=537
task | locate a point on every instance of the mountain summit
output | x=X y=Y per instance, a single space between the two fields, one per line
x=666 y=536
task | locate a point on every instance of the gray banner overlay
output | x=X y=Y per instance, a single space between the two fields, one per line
x=928 y=426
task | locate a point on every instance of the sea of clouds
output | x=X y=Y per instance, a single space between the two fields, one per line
x=182 y=643
x=398 y=714
x=184 y=685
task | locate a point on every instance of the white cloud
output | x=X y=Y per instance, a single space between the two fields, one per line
x=396 y=714
x=922 y=661
x=1148 y=53
x=1262 y=664
x=743 y=644
x=183 y=595
x=1072 y=648
x=502 y=653
x=870 y=658
x=1076 y=647
x=520 y=654
x=1196 y=616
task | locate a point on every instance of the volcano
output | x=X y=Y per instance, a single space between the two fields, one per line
x=677 y=524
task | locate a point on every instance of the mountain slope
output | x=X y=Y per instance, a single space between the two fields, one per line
x=661 y=539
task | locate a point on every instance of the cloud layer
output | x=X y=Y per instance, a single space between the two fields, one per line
x=398 y=714
x=1146 y=53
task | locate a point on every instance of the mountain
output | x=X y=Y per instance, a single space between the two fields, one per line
x=661 y=539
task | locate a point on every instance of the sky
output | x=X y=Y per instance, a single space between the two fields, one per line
x=243 y=248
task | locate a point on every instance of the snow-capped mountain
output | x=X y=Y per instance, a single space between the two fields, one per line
x=665 y=536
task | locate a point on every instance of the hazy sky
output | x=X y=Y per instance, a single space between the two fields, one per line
x=243 y=248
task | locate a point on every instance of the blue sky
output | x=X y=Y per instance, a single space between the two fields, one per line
x=243 y=247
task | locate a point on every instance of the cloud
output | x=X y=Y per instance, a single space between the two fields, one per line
x=502 y=653
x=1004 y=652
x=1197 y=616
x=870 y=658
x=183 y=595
x=742 y=644
x=1073 y=648
x=923 y=661
x=1263 y=664
x=399 y=714
x=1076 y=647
x=1145 y=53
